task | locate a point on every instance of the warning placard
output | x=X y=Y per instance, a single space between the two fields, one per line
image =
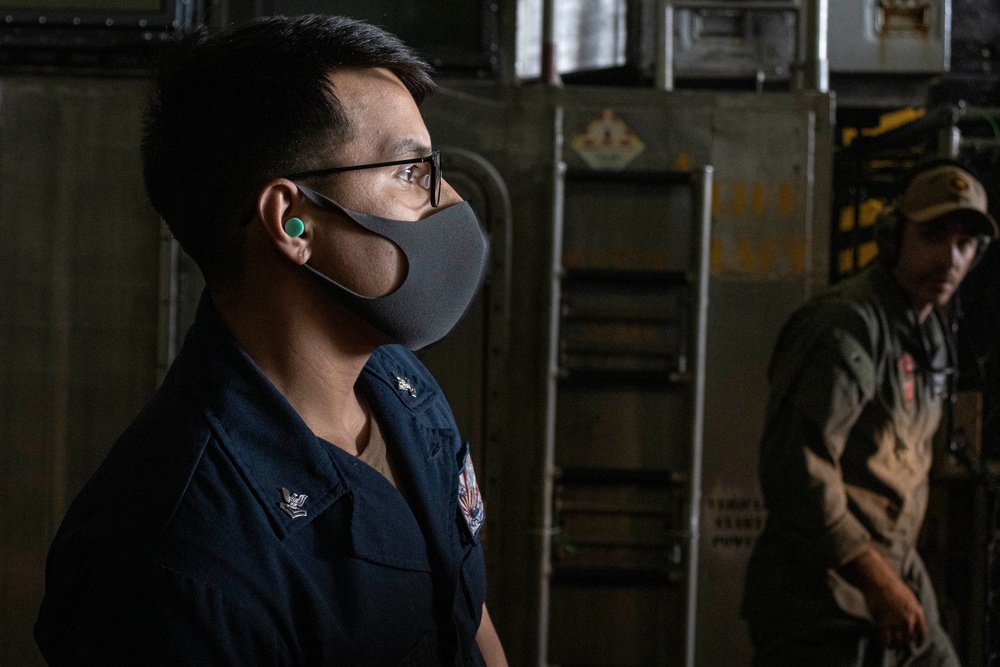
x=608 y=143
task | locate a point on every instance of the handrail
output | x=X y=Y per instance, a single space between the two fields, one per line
x=700 y=246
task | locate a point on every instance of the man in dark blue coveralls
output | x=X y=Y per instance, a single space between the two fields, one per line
x=296 y=493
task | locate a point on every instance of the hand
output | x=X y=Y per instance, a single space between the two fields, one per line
x=897 y=613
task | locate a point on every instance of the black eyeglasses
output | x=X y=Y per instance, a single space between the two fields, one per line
x=429 y=179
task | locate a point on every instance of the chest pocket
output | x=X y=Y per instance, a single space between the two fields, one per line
x=423 y=653
x=383 y=528
x=913 y=413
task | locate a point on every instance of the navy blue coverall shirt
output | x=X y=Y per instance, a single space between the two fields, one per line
x=183 y=549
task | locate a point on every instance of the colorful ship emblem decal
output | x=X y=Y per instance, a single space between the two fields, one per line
x=469 y=498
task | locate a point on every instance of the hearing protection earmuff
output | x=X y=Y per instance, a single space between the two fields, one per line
x=890 y=221
x=888 y=232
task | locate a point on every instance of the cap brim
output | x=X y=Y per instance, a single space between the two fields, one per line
x=982 y=222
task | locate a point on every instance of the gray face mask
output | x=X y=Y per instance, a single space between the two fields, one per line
x=446 y=253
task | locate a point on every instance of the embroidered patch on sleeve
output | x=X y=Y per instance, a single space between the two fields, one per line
x=469 y=498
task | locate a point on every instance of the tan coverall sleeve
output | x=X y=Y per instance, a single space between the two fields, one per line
x=805 y=438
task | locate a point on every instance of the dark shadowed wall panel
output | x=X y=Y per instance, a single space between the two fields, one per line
x=79 y=277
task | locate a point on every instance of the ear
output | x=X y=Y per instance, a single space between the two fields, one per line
x=277 y=203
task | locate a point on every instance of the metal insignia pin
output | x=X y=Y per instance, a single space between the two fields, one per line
x=293 y=503
x=404 y=385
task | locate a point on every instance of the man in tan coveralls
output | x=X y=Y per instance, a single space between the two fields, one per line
x=858 y=379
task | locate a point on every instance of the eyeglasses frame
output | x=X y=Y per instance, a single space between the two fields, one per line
x=434 y=160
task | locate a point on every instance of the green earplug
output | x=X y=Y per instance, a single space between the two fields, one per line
x=294 y=227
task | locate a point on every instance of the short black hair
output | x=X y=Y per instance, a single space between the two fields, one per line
x=232 y=110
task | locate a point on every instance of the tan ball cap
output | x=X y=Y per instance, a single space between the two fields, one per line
x=945 y=189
